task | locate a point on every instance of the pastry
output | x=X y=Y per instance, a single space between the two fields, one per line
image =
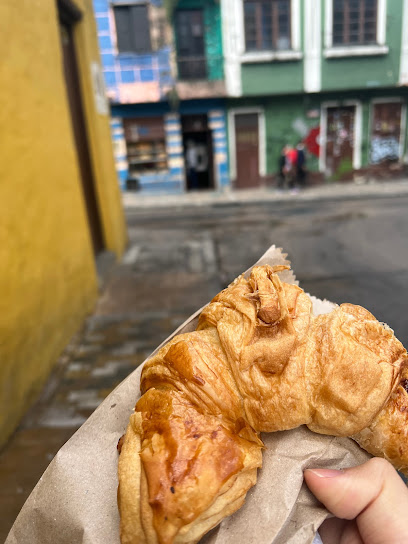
x=259 y=361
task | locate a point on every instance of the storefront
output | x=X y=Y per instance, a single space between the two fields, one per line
x=168 y=152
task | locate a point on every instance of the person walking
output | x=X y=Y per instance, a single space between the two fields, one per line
x=291 y=167
x=282 y=168
x=301 y=166
x=191 y=163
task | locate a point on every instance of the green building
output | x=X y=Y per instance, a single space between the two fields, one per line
x=330 y=73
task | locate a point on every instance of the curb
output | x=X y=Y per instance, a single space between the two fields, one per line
x=134 y=201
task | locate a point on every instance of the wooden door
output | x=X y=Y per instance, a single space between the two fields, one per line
x=340 y=139
x=80 y=136
x=247 y=150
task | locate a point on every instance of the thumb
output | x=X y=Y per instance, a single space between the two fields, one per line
x=371 y=493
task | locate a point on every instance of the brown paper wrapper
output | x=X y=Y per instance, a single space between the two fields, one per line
x=75 y=500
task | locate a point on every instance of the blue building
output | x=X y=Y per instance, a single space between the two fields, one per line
x=164 y=78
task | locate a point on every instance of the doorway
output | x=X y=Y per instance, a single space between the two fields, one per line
x=68 y=16
x=340 y=140
x=246 y=131
x=387 y=130
x=198 y=152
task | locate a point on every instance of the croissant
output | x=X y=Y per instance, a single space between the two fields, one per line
x=259 y=361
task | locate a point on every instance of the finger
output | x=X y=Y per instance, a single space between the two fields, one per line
x=351 y=534
x=373 y=493
x=331 y=529
x=339 y=531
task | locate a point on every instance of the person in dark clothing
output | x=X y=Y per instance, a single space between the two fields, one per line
x=191 y=163
x=282 y=168
x=301 y=165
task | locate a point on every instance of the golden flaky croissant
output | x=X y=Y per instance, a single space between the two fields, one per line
x=258 y=361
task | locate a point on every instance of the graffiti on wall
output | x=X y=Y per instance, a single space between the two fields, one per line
x=309 y=136
x=382 y=149
x=300 y=126
x=385 y=132
x=312 y=141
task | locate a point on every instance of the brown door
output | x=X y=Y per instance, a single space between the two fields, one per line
x=340 y=140
x=247 y=150
x=80 y=136
x=385 y=141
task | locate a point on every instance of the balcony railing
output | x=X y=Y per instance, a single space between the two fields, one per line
x=190 y=68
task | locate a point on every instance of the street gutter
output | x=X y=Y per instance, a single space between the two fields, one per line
x=333 y=191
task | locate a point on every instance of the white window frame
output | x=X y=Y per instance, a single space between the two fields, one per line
x=403 y=75
x=388 y=100
x=261 y=139
x=333 y=51
x=358 y=131
x=294 y=53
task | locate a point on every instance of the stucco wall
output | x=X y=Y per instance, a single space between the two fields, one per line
x=367 y=71
x=278 y=76
x=47 y=278
x=354 y=71
x=272 y=78
x=290 y=119
x=99 y=134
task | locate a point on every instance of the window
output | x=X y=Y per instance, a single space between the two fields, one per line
x=267 y=25
x=354 y=22
x=146 y=147
x=191 y=59
x=132 y=28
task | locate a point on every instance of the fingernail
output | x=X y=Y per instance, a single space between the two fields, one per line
x=326 y=472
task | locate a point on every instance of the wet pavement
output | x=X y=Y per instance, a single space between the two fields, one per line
x=345 y=249
x=163 y=279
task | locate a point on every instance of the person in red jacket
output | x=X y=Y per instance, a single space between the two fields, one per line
x=291 y=166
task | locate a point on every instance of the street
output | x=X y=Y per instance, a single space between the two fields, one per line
x=178 y=258
x=342 y=250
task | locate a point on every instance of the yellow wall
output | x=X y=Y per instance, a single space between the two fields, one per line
x=47 y=277
x=103 y=163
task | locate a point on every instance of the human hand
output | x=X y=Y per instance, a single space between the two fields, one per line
x=370 y=503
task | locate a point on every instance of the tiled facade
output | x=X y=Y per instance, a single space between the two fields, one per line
x=218 y=126
x=174 y=178
x=175 y=154
x=131 y=77
x=119 y=149
x=143 y=88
